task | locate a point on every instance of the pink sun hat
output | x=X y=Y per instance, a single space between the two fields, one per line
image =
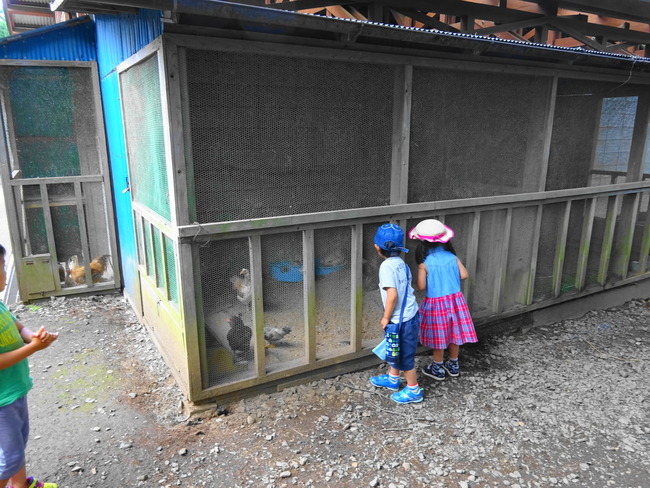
x=431 y=230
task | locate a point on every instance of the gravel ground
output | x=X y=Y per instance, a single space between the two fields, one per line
x=563 y=404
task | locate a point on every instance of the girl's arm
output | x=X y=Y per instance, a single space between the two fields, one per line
x=463 y=272
x=422 y=277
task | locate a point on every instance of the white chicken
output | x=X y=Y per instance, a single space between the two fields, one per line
x=242 y=285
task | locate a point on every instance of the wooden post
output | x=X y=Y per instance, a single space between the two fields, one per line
x=502 y=265
x=629 y=210
x=309 y=291
x=608 y=237
x=255 y=249
x=472 y=255
x=357 y=288
x=560 y=250
x=401 y=134
x=585 y=243
x=537 y=232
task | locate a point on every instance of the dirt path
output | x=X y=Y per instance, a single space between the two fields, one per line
x=566 y=404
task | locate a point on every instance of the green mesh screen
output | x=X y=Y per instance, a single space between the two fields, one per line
x=158 y=259
x=145 y=136
x=67 y=238
x=35 y=223
x=138 y=239
x=46 y=145
x=171 y=269
x=148 y=249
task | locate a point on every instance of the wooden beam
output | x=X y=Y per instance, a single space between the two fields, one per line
x=576 y=34
x=522 y=24
x=376 y=12
x=296 y=5
x=427 y=20
x=459 y=8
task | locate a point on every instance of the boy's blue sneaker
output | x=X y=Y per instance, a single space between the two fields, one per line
x=408 y=395
x=384 y=381
x=435 y=371
x=451 y=367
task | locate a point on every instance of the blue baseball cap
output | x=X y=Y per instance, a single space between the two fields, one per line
x=390 y=237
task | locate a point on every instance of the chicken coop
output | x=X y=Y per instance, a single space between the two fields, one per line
x=55 y=178
x=260 y=170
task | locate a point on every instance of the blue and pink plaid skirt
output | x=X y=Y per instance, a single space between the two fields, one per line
x=446 y=320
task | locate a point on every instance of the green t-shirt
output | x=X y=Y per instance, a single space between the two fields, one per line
x=15 y=381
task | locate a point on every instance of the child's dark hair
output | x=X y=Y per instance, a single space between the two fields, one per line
x=424 y=247
x=3 y=251
x=390 y=253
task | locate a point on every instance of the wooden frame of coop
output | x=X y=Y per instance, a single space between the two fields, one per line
x=535 y=247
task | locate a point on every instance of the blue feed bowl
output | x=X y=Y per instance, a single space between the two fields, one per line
x=290 y=271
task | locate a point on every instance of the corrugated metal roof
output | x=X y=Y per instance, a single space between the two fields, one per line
x=493 y=40
x=73 y=40
x=31 y=21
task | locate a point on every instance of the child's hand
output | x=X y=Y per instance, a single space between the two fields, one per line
x=44 y=337
x=384 y=322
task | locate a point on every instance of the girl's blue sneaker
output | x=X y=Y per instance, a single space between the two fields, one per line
x=435 y=371
x=384 y=381
x=451 y=367
x=408 y=395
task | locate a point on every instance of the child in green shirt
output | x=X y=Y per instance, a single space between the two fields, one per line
x=17 y=343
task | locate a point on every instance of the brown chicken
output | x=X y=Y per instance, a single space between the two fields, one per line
x=97 y=268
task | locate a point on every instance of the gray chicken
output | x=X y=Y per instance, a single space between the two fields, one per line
x=273 y=335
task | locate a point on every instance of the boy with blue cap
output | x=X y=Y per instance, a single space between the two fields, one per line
x=400 y=314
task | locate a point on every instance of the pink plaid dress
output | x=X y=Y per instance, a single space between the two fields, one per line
x=446 y=320
x=444 y=316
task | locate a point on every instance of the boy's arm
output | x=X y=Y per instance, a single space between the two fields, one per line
x=37 y=342
x=391 y=300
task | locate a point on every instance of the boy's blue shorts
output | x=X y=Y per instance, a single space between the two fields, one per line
x=409 y=334
x=14 y=431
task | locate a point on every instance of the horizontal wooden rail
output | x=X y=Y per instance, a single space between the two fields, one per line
x=238 y=228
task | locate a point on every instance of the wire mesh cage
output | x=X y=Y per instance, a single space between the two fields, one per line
x=592 y=128
x=372 y=310
x=471 y=146
x=225 y=311
x=284 y=311
x=333 y=291
x=274 y=135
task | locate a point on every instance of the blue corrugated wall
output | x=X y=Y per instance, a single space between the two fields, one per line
x=69 y=41
x=118 y=37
